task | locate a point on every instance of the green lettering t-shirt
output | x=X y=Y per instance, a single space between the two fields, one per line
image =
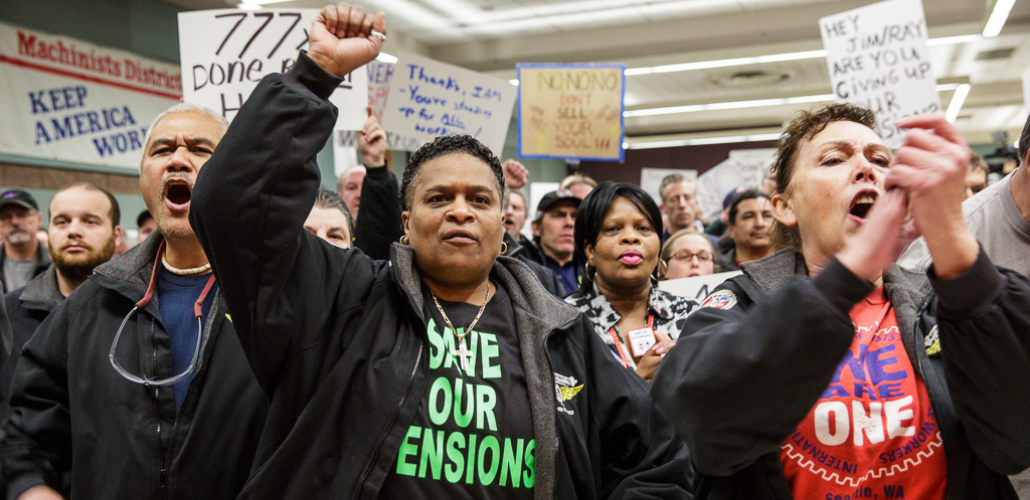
x=473 y=433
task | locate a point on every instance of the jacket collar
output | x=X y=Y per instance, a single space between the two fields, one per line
x=135 y=266
x=590 y=298
x=43 y=290
x=772 y=272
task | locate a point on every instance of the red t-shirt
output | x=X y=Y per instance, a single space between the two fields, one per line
x=873 y=433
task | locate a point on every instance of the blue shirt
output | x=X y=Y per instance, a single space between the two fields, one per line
x=176 y=297
x=568 y=274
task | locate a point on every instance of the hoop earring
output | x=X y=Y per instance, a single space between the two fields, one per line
x=586 y=272
x=659 y=271
x=504 y=247
x=404 y=240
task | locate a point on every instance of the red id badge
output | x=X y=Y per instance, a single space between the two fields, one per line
x=641 y=340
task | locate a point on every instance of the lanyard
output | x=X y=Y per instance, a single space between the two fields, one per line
x=625 y=360
x=197 y=312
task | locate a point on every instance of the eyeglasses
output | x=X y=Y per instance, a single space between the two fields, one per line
x=197 y=312
x=685 y=255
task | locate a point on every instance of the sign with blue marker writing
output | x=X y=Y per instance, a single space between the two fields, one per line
x=68 y=100
x=878 y=59
x=429 y=98
x=571 y=111
x=225 y=53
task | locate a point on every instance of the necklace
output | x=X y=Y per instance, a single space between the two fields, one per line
x=462 y=353
x=184 y=272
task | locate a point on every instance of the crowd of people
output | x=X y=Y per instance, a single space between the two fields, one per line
x=268 y=337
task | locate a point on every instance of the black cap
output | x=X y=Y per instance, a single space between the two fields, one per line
x=142 y=217
x=18 y=197
x=553 y=197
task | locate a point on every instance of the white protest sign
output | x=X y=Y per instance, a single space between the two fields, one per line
x=753 y=164
x=697 y=287
x=225 y=53
x=651 y=180
x=69 y=100
x=713 y=185
x=878 y=59
x=379 y=75
x=429 y=99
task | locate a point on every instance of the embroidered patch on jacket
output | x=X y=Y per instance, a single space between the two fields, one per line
x=722 y=299
x=932 y=341
x=566 y=388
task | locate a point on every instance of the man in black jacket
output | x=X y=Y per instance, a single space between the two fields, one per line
x=354 y=353
x=136 y=385
x=83 y=232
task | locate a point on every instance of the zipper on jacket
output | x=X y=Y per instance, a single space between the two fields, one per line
x=389 y=425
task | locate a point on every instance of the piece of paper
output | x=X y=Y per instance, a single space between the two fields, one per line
x=697 y=287
x=571 y=111
x=878 y=59
x=429 y=98
x=225 y=53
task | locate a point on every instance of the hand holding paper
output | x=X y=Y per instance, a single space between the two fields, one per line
x=341 y=38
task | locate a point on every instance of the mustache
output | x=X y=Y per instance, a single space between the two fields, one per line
x=77 y=244
x=183 y=177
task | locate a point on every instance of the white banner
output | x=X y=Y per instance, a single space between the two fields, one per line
x=65 y=99
x=429 y=98
x=379 y=76
x=878 y=59
x=225 y=53
x=697 y=287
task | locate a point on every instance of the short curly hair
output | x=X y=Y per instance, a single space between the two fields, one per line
x=805 y=126
x=442 y=146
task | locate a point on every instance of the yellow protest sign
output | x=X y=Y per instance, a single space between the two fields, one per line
x=571 y=111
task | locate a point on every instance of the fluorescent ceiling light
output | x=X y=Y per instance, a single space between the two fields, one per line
x=999 y=15
x=703 y=141
x=251 y=3
x=770 y=58
x=957 y=100
x=514 y=81
x=248 y=6
x=693 y=108
x=386 y=58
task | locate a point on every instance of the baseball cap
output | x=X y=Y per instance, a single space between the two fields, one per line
x=553 y=197
x=143 y=216
x=18 y=197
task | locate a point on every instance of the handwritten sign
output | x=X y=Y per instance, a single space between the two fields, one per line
x=429 y=99
x=713 y=185
x=225 y=53
x=878 y=59
x=697 y=287
x=571 y=111
x=70 y=100
x=379 y=76
x=753 y=163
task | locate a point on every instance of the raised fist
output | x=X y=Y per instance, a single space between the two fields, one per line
x=342 y=39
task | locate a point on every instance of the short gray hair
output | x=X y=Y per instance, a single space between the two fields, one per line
x=186 y=107
x=327 y=198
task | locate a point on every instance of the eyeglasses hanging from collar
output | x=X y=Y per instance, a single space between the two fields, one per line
x=197 y=311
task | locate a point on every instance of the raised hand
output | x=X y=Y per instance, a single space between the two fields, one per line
x=341 y=38
x=930 y=167
x=372 y=142
x=515 y=174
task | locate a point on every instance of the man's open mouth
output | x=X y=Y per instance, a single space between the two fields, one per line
x=177 y=193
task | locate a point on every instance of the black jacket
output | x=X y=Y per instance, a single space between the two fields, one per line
x=71 y=411
x=27 y=307
x=339 y=342
x=788 y=331
x=545 y=275
x=42 y=262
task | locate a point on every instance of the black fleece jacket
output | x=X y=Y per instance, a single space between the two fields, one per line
x=338 y=341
